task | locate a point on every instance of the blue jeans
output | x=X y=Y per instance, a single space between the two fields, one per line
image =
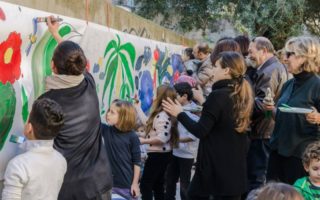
x=257 y=161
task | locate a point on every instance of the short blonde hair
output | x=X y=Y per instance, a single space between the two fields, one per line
x=127 y=115
x=308 y=47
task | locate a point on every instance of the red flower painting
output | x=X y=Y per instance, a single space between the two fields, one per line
x=10 y=58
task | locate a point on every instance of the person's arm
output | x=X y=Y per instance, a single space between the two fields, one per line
x=162 y=126
x=135 y=191
x=140 y=113
x=183 y=131
x=266 y=80
x=15 y=179
x=53 y=27
x=185 y=140
x=152 y=141
x=210 y=114
x=199 y=129
x=136 y=160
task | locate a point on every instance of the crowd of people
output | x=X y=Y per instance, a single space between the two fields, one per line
x=247 y=121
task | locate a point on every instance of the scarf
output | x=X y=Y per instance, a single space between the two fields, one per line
x=57 y=81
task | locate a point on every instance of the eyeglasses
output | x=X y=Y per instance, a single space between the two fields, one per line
x=289 y=53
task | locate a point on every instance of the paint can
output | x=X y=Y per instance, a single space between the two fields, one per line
x=17 y=139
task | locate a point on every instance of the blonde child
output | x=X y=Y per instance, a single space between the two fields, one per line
x=123 y=149
x=38 y=173
x=309 y=186
x=161 y=136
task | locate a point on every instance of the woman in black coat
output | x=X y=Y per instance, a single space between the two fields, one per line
x=221 y=161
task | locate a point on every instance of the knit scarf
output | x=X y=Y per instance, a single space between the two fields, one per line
x=57 y=81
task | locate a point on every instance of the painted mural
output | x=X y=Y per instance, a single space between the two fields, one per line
x=123 y=65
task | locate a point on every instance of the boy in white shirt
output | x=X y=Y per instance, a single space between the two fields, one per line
x=184 y=155
x=38 y=173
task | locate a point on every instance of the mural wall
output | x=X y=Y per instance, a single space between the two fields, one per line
x=123 y=65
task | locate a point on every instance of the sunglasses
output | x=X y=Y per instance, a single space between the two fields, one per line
x=289 y=53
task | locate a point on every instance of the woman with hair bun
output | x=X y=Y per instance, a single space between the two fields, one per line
x=88 y=173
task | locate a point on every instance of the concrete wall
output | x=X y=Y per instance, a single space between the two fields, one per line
x=102 y=12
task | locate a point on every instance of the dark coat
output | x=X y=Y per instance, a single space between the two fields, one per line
x=80 y=142
x=272 y=74
x=221 y=162
x=292 y=132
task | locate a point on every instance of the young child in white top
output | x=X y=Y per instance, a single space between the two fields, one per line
x=38 y=173
x=183 y=156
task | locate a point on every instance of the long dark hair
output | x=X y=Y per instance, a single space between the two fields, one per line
x=242 y=95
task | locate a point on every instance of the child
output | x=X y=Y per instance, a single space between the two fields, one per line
x=161 y=136
x=309 y=187
x=183 y=156
x=141 y=123
x=123 y=148
x=275 y=191
x=38 y=173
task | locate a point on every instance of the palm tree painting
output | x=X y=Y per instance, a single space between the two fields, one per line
x=118 y=70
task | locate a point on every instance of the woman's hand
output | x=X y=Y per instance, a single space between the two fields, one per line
x=173 y=108
x=135 y=191
x=53 y=27
x=313 y=117
x=198 y=95
x=268 y=107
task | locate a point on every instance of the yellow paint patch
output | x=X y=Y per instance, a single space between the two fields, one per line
x=100 y=61
x=170 y=70
x=8 y=55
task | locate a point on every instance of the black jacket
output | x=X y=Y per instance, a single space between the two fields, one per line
x=272 y=74
x=80 y=142
x=221 y=162
x=292 y=132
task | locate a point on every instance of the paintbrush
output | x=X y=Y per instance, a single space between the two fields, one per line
x=133 y=99
x=44 y=19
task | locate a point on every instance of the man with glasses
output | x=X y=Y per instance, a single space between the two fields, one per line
x=270 y=74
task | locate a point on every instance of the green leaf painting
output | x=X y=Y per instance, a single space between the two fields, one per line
x=24 y=98
x=118 y=69
x=7 y=110
x=41 y=59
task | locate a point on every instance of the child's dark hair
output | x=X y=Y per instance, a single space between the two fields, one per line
x=69 y=58
x=312 y=152
x=184 y=88
x=189 y=52
x=46 y=118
